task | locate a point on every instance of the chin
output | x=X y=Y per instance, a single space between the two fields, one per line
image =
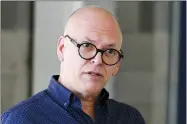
x=93 y=88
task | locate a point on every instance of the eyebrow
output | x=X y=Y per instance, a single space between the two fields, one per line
x=93 y=41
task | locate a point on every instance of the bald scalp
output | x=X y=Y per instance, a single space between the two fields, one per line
x=91 y=10
x=93 y=18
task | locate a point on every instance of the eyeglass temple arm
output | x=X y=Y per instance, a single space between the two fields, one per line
x=121 y=53
x=73 y=41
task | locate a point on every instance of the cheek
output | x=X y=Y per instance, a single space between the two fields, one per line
x=110 y=71
x=73 y=61
x=69 y=61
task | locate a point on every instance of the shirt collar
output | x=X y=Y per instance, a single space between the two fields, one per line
x=64 y=96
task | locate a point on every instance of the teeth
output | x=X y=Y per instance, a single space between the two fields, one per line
x=93 y=74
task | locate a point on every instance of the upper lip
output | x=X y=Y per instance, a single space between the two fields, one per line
x=96 y=72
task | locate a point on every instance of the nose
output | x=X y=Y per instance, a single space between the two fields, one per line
x=97 y=60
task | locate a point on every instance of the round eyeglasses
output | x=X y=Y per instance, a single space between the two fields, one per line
x=88 y=51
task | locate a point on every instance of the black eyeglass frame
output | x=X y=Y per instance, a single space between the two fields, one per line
x=97 y=50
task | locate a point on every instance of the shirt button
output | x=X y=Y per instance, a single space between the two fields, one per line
x=65 y=104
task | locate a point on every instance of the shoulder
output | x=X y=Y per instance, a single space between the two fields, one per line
x=124 y=112
x=23 y=109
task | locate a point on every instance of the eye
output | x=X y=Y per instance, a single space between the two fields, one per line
x=87 y=45
x=110 y=52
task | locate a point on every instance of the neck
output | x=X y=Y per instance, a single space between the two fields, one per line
x=88 y=103
x=88 y=107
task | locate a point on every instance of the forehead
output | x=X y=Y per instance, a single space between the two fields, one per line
x=101 y=31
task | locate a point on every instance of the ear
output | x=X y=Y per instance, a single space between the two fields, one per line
x=60 y=48
x=116 y=69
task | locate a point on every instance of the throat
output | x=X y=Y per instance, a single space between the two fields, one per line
x=89 y=110
x=88 y=107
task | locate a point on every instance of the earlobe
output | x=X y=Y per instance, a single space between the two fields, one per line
x=116 y=70
x=60 y=48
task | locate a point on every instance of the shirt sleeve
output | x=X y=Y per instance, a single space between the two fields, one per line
x=139 y=118
x=11 y=118
x=4 y=117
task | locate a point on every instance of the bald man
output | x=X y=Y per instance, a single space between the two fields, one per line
x=90 y=54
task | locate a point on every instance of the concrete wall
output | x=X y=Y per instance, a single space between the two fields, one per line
x=143 y=78
x=14 y=50
x=50 y=20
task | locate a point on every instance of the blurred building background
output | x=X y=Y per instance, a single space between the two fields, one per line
x=152 y=74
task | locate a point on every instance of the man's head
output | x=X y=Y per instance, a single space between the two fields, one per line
x=83 y=71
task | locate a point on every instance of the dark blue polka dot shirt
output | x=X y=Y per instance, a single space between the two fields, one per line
x=58 y=105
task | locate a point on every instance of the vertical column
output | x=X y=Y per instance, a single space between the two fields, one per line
x=161 y=39
x=50 y=20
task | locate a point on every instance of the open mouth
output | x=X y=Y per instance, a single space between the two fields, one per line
x=95 y=74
